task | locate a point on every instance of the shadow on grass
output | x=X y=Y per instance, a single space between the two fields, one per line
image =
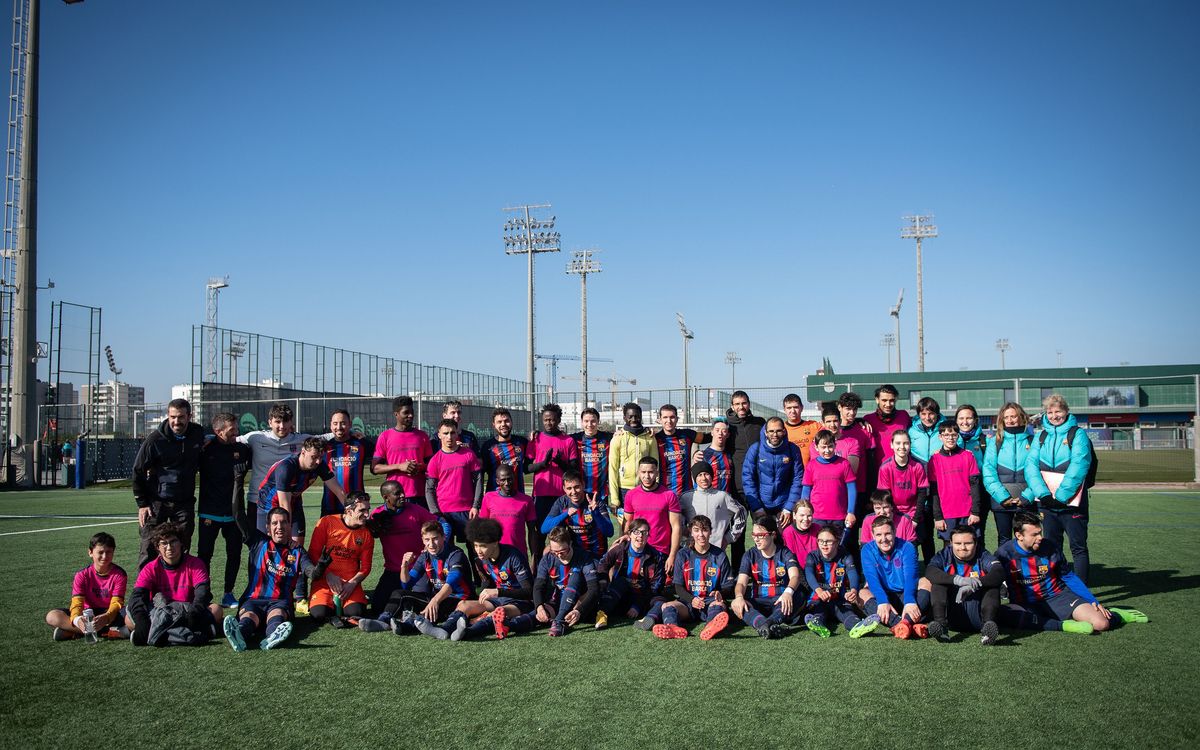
x=1120 y=584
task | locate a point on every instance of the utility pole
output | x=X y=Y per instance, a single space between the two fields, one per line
x=888 y=340
x=687 y=393
x=895 y=313
x=211 y=291
x=920 y=227
x=520 y=239
x=1002 y=346
x=582 y=264
x=733 y=360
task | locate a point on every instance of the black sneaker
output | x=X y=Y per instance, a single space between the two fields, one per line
x=938 y=631
x=989 y=633
x=771 y=631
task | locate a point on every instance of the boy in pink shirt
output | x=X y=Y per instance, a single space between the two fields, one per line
x=954 y=480
x=515 y=512
x=97 y=597
x=172 y=599
x=882 y=504
x=397 y=525
x=885 y=421
x=551 y=452
x=907 y=480
x=830 y=484
x=848 y=405
x=800 y=536
x=659 y=506
x=402 y=452
x=455 y=481
x=848 y=449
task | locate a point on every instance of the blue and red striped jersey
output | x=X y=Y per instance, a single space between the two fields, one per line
x=286 y=475
x=975 y=568
x=559 y=574
x=430 y=573
x=643 y=570
x=272 y=570
x=508 y=571
x=593 y=462
x=703 y=574
x=838 y=575
x=722 y=466
x=591 y=527
x=347 y=460
x=768 y=575
x=1037 y=575
x=675 y=458
x=514 y=453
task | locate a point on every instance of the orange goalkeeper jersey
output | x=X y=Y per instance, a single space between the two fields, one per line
x=351 y=549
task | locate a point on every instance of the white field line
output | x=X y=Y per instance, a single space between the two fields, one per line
x=64 y=528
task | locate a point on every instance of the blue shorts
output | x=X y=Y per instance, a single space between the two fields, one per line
x=1060 y=606
x=701 y=615
x=524 y=605
x=261 y=607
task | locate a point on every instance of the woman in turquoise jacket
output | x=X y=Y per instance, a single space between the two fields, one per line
x=924 y=430
x=1003 y=468
x=1066 y=450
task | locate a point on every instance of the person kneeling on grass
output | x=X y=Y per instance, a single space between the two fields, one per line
x=635 y=573
x=973 y=575
x=100 y=587
x=890 y=569
x=703 y=581
x=273 y=565
x=1043 y=593
x=504 y=572
x=431 y=585
x=564 y=592
x=172 y=600
x=771 y=574
x=338 y=597
x=833 y=578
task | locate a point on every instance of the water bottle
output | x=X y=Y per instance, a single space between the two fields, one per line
x=89 y=627
x=337 y=604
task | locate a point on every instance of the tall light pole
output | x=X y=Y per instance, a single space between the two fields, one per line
x=895 y=313
x=733 y=360
x=888 y=340
x=687 y=394
x=582 y=264
x=212 y=290
x=920 y=228
x=520 y=238
x=1002 y=346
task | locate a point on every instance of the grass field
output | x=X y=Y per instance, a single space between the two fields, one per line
x=619 y=688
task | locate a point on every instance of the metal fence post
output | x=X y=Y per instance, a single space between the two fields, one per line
x=1195 y=431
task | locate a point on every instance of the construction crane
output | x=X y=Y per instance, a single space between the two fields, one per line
x=552 y=369
x=895 y=313
x=614 y=380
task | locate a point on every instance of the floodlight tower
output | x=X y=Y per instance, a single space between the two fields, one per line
x=733 y=360
x=888 y=340
x=920 y=228
x=211 y=290
x=1002 y=346
x=237 y=347
x=687 y=336
x=520 y=239
x=582 y=264
x=614 y=380
x=895 y=313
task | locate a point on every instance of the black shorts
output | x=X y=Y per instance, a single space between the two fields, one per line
x=1060 y=606
x=261 y=607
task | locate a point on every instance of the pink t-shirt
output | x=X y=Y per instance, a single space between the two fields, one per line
x=549 y=482
x=513 y=513
x=655 y=506
x=845 y=447
x=455 y=475
x=828 y=481
x=98 y=591
x=403 y=535
x=902 y=523
x=866 y=443
x=900 y=421
x=800 y=542
x=903 y=482
x=178 y=584
x=952 y=476
x=394 y=446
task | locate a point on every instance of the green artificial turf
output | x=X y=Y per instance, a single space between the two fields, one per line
x=1135 y=686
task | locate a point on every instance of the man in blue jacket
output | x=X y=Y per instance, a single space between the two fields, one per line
x=889 y=566
x=772 y=473
x=1062 y=454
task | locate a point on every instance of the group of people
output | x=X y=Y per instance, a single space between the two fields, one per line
x=641 y=523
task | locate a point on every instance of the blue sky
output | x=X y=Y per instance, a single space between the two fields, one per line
x=346 y=164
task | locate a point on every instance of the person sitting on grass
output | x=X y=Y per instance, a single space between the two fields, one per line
x=434 y=583
x=635 y=573
x=703 y=583
x=1046 y=595
x=338 y=597
x=890 y=569
x=883 y=505
x=98 y=588
x=504 y=573
x=564 y=592
x=172 y=600
x=273 y=564
x=973 y=575
x=833 y=578
x=770 y=576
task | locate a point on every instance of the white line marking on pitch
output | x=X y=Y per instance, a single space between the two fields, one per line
x=64 y=528
x=110 y=516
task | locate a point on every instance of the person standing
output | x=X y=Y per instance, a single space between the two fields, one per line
x=164 y=478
